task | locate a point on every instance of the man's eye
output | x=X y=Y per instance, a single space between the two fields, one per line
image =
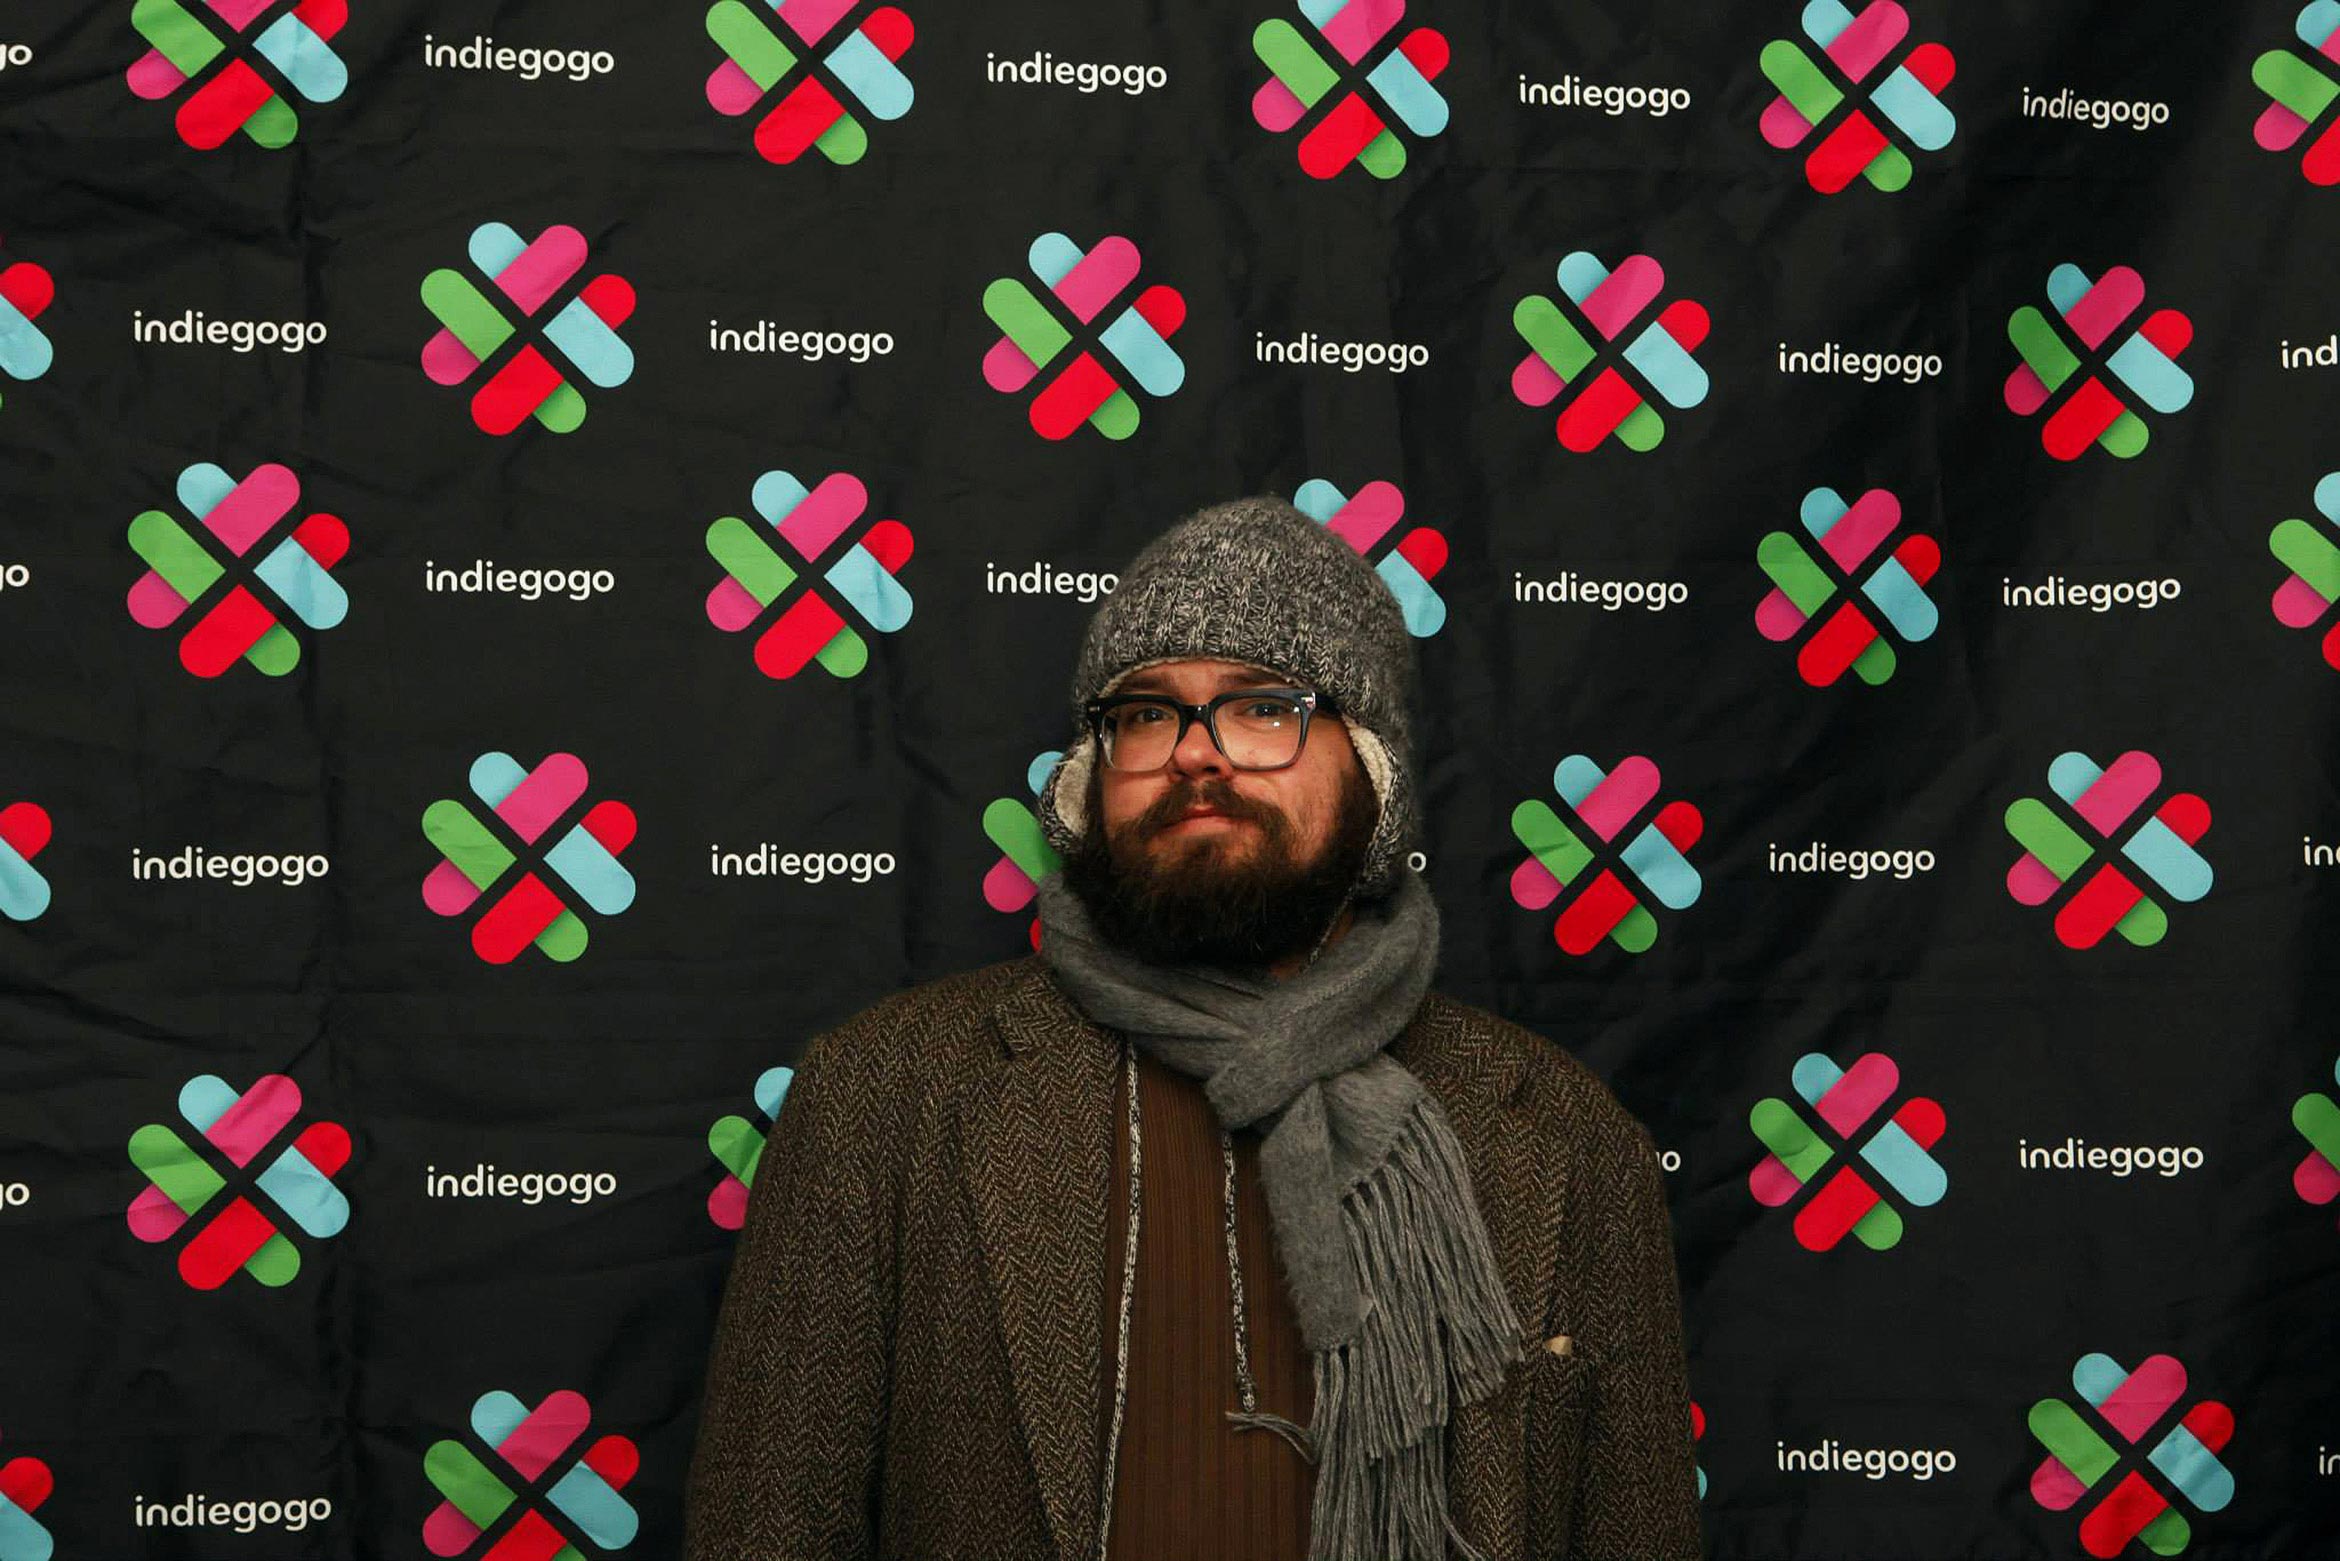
x=1144 y=715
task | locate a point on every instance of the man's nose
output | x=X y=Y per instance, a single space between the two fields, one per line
x=1196 y=755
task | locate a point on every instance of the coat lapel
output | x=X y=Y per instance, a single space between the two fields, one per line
x=1037 y=1140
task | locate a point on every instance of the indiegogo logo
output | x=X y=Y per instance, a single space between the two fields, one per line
x=1829 y=358
x=292 y=1514
x=809 y=345
x=243 y=869
x=1833 y=1457
x=1045 y=69
x=1570 y=92
x=2096 y=595
x=191 y=328
x=485 y=1181
x=2077 y=1154
x=483 y=53
x=2094 y=112
x=486 y=575
x=1308 y=347
x=1609 y=595
x=768 y=861
x=1821 y=857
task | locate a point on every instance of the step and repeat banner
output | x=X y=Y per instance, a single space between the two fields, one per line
x=541 y=549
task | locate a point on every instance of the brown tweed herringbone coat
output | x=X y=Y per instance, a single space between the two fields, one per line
x=909 y=1361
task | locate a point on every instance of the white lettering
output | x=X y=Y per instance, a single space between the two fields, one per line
x=483 y=53
x=486 y=575
x=769 y=861
x=1570 y=92
x=243 y=869
x=2098 y=595
x=1821 y=857
x=1833 y=1457
x=1043 y=579
x=291 y=1514
x=1829 y=358
x=192 y=328
x=1045 y=69
x=1308 y=347
x=2310 y=355
x=811 y=346
x=2102 y=115
x=1571 y=588
x=532 y=1187
x=2077 y=1154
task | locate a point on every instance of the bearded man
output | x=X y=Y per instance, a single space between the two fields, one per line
x=1209 y=1231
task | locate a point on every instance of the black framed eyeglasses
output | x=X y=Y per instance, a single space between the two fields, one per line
x=1256 y=728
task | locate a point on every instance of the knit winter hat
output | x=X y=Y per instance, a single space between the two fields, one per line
x=1256 y=580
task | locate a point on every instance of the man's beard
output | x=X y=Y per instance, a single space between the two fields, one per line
x=1221 y=901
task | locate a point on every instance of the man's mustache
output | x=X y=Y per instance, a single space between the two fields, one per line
x=1213 y=792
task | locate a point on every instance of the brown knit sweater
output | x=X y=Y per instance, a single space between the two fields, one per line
x=1188 y=1484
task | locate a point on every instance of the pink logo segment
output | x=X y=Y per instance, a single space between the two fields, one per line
x=242 y=1235
x=737 y=1143
x=1367 y=519
x=1908 y=98
x=2301 y=90
x=473 y=328
x=1137 y=339
x=531 y=911
x=1025 y=856
x=2141 y=365
x=2080 y=1460
x=296 y=46
x=1898 y=1154
x=530 y=1443
x=239 y=626
x=808 y=522
x=1606 y=803
x=809 y=116
x=2160 y=849
x=1561 y=357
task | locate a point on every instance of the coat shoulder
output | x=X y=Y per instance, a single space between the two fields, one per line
x=923 y=1035
x=1530 y=1073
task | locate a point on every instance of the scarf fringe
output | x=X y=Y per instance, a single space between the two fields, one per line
x=1438 y=1331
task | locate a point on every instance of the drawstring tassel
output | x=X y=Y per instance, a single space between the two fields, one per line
x=1262 y=1420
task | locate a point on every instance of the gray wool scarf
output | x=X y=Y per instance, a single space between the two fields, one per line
x=1387 y=1262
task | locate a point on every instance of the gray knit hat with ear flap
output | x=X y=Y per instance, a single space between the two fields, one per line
x=1256 y=580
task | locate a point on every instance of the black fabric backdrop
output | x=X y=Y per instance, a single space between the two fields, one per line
x=124 y=1386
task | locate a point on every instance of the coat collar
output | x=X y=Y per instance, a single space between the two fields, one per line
x=1036 y=1140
